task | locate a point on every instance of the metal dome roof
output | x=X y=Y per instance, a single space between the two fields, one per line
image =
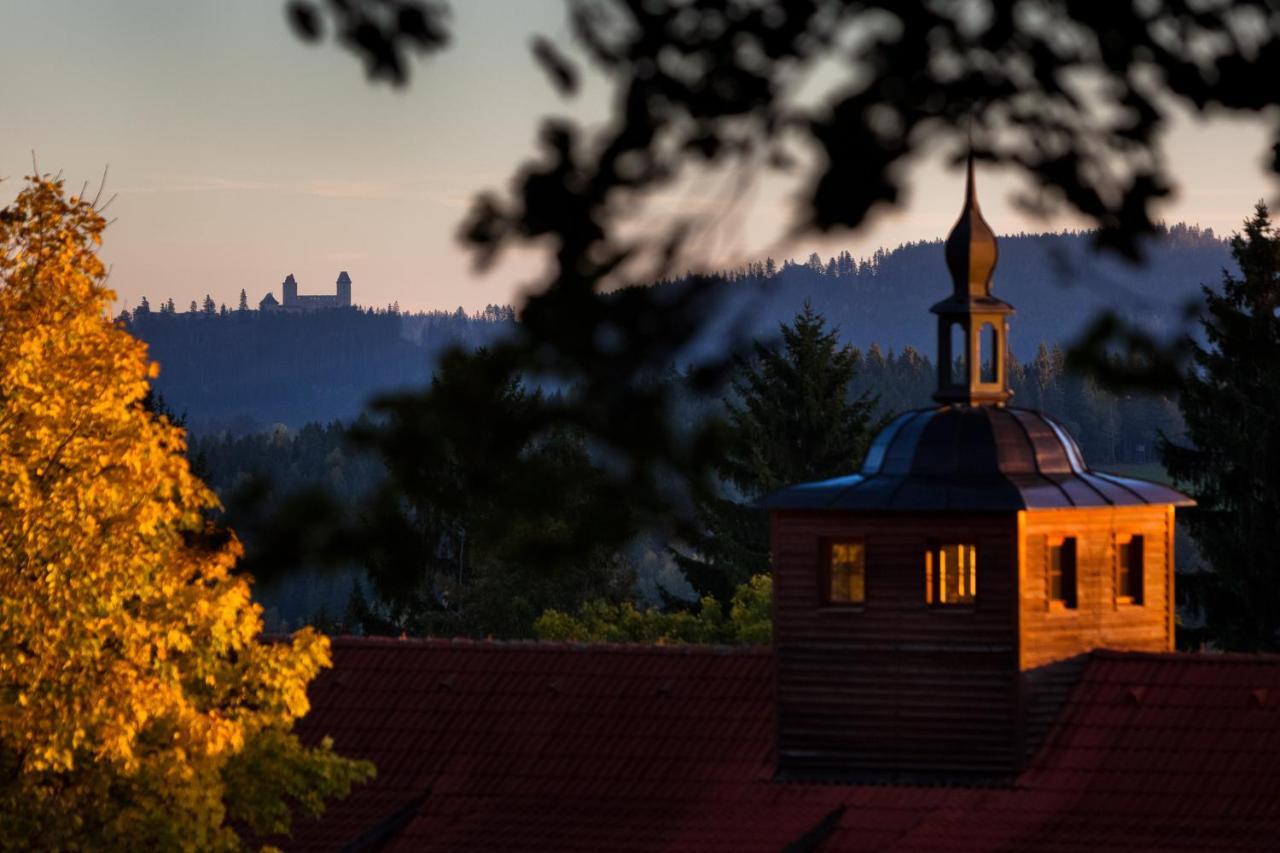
x=973 y=458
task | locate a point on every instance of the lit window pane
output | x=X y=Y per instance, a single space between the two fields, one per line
x=955 y=574
x=848 y=572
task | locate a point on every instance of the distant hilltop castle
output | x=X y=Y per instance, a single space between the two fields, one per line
x=291 y=301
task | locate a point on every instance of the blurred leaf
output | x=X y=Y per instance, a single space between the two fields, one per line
x=304 y=19
x=563 y=74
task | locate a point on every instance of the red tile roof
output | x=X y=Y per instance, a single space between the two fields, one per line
x=501 y=746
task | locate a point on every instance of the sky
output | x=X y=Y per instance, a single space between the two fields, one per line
x=237 y=154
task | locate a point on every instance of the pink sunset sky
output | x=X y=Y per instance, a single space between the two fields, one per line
x=238 y=154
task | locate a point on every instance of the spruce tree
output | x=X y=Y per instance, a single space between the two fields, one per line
x=479 y=528
x=244 y=301
x=793 y=418
x=1231 y=404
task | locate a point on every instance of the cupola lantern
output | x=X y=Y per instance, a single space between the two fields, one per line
x=973 y=325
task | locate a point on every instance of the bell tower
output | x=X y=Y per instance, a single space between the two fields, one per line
x=930 y=608
x=973 y=325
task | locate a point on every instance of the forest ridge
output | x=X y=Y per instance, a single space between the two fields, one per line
x=242 y=370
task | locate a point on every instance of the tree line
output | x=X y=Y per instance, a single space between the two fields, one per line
x=242 y=370
x=461 y=480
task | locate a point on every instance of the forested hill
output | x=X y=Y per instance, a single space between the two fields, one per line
x=245 y=370
x=1056 y=282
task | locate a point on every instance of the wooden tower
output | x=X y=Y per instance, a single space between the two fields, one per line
x=929 y=609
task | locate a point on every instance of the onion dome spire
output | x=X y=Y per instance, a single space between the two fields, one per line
x=973 y=325
x=971 y=246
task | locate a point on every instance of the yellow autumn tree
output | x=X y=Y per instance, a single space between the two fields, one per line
x=139 y=707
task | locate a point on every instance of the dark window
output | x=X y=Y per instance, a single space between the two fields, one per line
x=847 y=571
x=989 y=355
x=951 y=573
x=1062 y=571
x=959 y=355
x=1129 y=569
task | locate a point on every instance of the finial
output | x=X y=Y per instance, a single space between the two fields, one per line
x=969 y=196
x=971 y=246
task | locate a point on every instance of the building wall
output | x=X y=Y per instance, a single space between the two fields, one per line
x=309 y=302
x=897 y=688
x=1050 y=632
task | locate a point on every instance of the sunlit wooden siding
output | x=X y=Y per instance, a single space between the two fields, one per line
x=896 y=688
x=1100 y=621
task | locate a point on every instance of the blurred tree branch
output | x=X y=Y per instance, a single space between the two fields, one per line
x=1074 y=96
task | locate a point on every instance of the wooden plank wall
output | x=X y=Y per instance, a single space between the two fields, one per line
x=1045 y=689
x=896 y=688
x=1099 y=621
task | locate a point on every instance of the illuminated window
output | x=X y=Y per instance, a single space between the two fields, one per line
x=847 y=570
x=1129 y=568
x=951 y=574
x=1062 y=571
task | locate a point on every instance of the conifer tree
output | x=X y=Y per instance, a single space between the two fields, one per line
x=793 y=418
x=1231 y=404
x=478 y=529
x=244 y=301
x=139 y=710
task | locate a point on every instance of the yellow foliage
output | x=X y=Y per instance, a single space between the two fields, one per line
x=133 y=683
